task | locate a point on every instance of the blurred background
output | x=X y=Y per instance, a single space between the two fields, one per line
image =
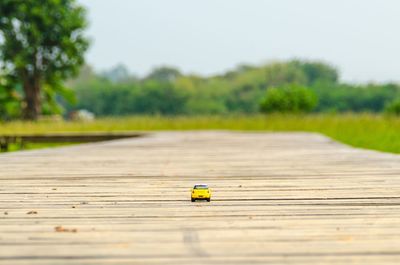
x=322 y=66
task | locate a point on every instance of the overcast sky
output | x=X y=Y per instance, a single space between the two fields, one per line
x=360 y=37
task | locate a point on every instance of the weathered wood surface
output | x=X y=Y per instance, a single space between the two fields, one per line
x=278 y=198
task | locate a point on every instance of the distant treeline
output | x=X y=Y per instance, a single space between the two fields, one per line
x=243 y=90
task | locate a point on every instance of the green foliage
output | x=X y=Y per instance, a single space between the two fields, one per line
x=237 y=91
x=317 y=72
x=289 y=99
x=164 y=74
x=150 y=97
x=393 y=107
x=155 y=99
x=118 y=74
x=9 y=100
x=357 y=98
x=41 y=44
x=171 y=92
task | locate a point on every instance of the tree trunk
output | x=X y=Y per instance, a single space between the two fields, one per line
x=33 y=105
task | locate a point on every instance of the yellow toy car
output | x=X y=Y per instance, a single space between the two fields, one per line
x=201 y=192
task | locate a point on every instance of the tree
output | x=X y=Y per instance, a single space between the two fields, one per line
x=41 y=44
x=9 y=100
x=317 y=72
x=289 y=99
x=159 y=98
x=119 y=74
x=393 y=107
x=164 y=74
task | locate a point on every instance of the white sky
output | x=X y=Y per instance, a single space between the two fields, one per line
x=360 y=37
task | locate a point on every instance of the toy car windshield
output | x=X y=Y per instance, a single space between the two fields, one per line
x=201 y=187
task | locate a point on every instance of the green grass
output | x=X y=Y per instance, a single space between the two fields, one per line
x=360 y=130
x=32 y=146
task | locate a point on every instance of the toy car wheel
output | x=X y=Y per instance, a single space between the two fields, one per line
x=208 y=200
x=193 y=200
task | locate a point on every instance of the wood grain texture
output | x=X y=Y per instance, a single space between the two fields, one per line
x=291 y=198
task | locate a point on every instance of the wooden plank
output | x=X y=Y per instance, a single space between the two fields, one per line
x=291 y=198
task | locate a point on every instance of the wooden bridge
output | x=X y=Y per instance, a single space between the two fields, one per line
x=289 y=198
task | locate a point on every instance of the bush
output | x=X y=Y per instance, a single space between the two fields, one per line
x=393 y=107
x=10 y=105
x=289 y=99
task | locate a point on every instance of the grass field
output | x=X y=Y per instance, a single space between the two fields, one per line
x=360 y=130
x=32 y=146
